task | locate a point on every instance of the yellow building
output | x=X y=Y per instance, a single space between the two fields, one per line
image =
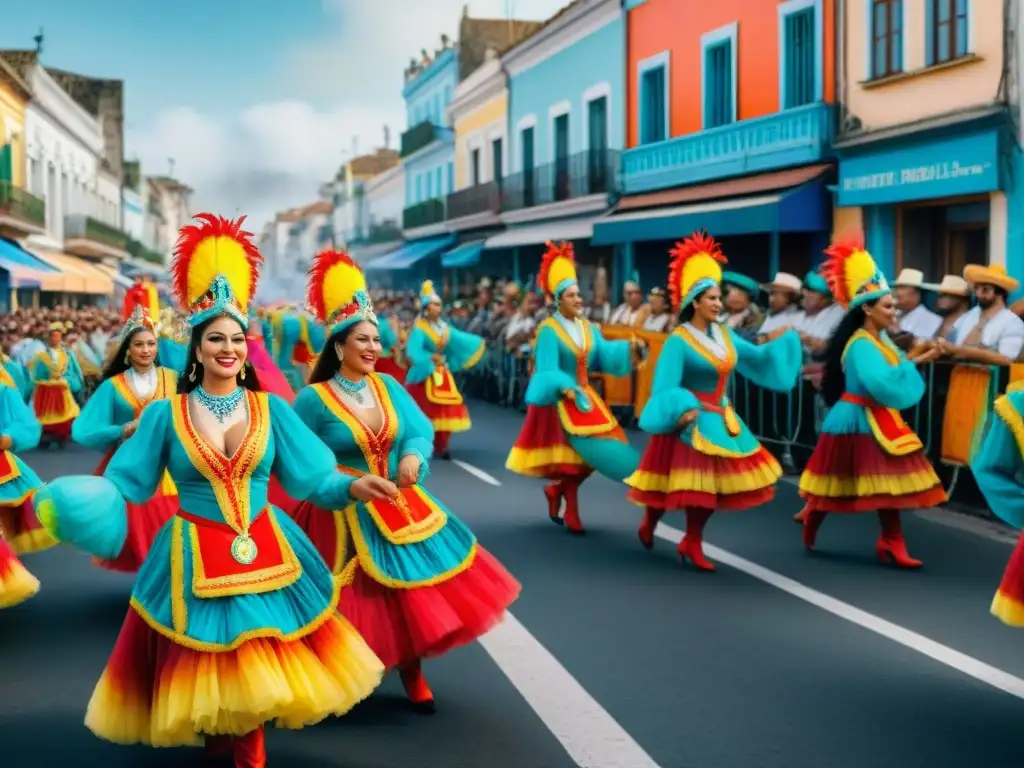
x=925 y=144
x=14 y=95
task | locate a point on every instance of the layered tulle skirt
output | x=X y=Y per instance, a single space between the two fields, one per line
x=853 y=473
x=16 y=583
x=1008 y=604
x=55 y=408
x=18 y=522
x=673 y=475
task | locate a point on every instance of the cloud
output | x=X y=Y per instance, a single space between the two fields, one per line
x=346 y=84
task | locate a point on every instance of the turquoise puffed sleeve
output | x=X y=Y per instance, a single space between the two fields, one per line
x=317 y=335
x=419 y=351
x=998 y=466
x=309 y=408
x=95 y=426
x=669 y=398
x=138 y=480
x=388 y=337
x=20 y=377
x=774 y=365
x=464 y=350
x=73 y=375
x=897 y=386
x=548 y=380
x=614 y=358
x=305 y=466
x=18 y=421
x=171 y=354
x=417 y=431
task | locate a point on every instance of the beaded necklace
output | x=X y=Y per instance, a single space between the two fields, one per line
x=220 y=406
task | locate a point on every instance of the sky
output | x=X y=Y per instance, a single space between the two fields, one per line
x=257 y=102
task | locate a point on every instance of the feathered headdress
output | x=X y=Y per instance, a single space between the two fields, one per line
x=336 y=293
x=215 y=269
x=428 y=294
x=696 y=266
x=557 y=269
x=140 y=320
x=851 y=273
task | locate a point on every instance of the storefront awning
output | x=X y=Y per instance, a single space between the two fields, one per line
x=537 y=234
x=411 y=253
x=118 y=279
x=23 y=269
x=463 y=256
x=803 y=209
x=73 y=275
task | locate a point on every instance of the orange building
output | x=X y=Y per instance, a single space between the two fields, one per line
x=729 y=126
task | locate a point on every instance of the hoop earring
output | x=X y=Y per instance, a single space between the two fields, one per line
x=192 y=374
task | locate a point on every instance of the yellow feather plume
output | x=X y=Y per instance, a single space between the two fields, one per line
x=340 y=285
x=859 y=269
x=220 y=255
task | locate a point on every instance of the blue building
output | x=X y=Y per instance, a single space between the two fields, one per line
x=566 y=128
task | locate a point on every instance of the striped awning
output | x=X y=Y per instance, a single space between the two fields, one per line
x=73 y=275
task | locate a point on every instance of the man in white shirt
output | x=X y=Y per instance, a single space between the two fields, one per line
x=632 y=311
x=821 y=315
x=912 y=315
x=989 y=334
x=660 y=318
x=783 y=306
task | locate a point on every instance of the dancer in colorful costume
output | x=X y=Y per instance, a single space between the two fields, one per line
x=16 y=375
x=867 y=458
x=57 y=379
x=171 y=341
x=998 y=468
x=233 y=620
x=569 y=431
x=19 y=431
x=132 y=380
x=436 y=351
x=391 y=348
x=416 y=582
x=702 y=457
x=270 y=377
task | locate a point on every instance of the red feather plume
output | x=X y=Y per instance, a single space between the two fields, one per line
x=191 y=235
x=834 y=268
x=698 y=242
x=555 y=250
x=322 y=262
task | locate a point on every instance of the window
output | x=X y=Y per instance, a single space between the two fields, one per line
x=946 y=26
x=799 y=43
x=474 y=167
x=497 y=161
x=886 y=38
x=438 y=183
x=527 y=160
x=653 y=106
x=451 y=177
x=718 y=72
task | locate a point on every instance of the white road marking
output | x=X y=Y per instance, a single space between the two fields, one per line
x=476 y=472
x=591 y=736
x=968 y=665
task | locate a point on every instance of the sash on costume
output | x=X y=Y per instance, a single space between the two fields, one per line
x=887 y=426
x=598 y=420
x=411 y=517
x=440 y=388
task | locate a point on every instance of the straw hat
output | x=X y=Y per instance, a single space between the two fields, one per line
x=951 y=285
x=976 y=274
x=910 y=278
x=787 y=282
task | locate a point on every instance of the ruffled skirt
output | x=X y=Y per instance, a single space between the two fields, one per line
x=22 y=528
x=852 y=473
x=16 y=584
x=389 y=366
x=445 y=418
x=673 y=475
x=156 y=692
x=543 y=449
x=1008 y=604
x=55 y=409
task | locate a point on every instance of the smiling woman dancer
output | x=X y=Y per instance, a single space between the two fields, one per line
x=867 y=458
x=131 y=381
x=416 y=582
x=569 y=431
x=233 y=620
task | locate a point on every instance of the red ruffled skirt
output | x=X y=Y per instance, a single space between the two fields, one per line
x=1008 y=604
x=16 y=583
x=673 y=475
x=543 y=450
x=852 y=473
x=445 y=418
x=403 y=625
x=51 y=403
x=391 y=368
x=22 y=529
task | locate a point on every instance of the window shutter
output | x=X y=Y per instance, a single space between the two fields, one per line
x=6 y=171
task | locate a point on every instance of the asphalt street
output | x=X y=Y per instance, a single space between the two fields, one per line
x=615 y=657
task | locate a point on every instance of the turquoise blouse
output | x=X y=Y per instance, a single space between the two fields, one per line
x=461 y=350
x=18 y=374
x=18 y=422
x=113 y=405
x=41 y=369
x=998 y=466
x=172 y=354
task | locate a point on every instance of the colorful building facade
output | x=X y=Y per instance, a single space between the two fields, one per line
x=729 y=123
x=930 y=165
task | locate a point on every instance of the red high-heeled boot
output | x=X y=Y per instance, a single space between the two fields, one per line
x=691 y=547
x=891 y=544
x=416 y=688
x=812 y=522
x=570 y=489
x=441 y=445
x=553 y=493
x=801 y=516
x=647 y=526
x=251 y=750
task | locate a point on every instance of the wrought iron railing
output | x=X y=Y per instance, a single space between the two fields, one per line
x=574 y=176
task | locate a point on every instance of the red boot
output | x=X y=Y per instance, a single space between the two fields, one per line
x=801 y=516
x=416 y=688
x=691 y=547
x=553 y=493
x=572 y=507
x=647 y=526
x=812 y=522
x=891 y=545
x=441 y=445
x=251 y=750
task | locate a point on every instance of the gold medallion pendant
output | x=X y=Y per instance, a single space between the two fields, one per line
x=244 y=550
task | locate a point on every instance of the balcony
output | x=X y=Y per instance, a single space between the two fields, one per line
x=473 y=201
x=140 y=251
x=417 y=137
x=385 y=232
x=423 y=214
x=21 y=213
x=577 y=176
x=800 y=136
x=86 y=236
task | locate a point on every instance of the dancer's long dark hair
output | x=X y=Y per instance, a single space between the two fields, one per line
x=833 y=382
x=328 y=363
x=119 y=362
x=687 y=312
x=186 y=385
